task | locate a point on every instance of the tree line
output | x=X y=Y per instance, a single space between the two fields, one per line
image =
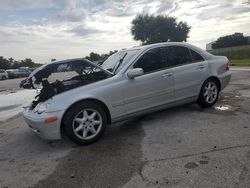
x=11 y=63
x=236 y=39
x=99 y=57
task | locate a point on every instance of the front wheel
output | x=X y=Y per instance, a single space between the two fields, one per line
x=4 y=78
x=209 y=93
x=85 y=123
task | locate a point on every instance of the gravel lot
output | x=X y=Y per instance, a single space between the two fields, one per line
x=180 y=147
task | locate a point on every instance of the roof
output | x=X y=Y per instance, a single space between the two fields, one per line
x=143 y=47
x=205 y=54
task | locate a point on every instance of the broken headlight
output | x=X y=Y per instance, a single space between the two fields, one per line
x=41 y=107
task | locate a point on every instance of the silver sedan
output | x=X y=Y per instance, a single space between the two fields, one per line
x=129 y=83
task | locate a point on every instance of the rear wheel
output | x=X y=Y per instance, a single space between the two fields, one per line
x=4 y=78
x=209 y=93
x=85 y=123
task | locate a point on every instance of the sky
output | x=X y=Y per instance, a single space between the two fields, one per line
x=62 y=29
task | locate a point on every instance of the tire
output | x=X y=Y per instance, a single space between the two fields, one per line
x=209 y=93
x=4 y=78
x=82 y=126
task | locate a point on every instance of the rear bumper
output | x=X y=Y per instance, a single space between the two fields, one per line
x=48 y=131
x=225 y=79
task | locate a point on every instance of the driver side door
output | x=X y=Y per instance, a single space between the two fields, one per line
x=154 y=88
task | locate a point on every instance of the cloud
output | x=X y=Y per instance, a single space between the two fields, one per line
x=28 y=4
x=167 y=6
x=69 y=15
x=115 y=8
x=83 y=31
x=119 y=11
x=223 y=11
x=247 y=2
x=45 y=29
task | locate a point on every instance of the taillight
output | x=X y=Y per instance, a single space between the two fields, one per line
x=227 y=66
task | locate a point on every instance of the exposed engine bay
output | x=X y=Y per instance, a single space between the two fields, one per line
x=86 y=73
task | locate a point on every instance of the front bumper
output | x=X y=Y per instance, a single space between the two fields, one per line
x=48 y=131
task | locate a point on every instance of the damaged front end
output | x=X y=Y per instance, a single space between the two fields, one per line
x=51 y=78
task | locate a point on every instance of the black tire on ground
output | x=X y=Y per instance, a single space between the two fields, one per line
x=202 y=99
x=73 y=112
x=4 y=78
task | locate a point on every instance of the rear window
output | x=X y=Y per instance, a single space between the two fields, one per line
x=178 y=55
x=196 y=57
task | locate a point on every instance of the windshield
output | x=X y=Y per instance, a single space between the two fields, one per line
x=118 y=60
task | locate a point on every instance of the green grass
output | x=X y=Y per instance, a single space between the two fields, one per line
x=240 y=62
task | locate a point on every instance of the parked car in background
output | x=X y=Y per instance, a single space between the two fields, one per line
x=129 y=83
x=18 y=73
x=3 y=74
x=31 y=69
x=11 y=73
x=23 y=73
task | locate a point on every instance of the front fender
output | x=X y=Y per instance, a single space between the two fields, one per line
x=63 y=102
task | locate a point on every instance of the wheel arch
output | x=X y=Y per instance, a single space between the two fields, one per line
x=102 y=104
x=216 y=79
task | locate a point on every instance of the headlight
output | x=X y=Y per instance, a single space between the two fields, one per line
x=41 y=107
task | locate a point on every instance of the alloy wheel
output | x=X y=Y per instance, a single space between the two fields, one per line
x=87 y=124
x=210 y=92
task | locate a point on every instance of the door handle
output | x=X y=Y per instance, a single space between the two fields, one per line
x=201 y=67
x=168 y=74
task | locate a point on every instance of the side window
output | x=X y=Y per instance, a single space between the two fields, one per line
x=1 y=71
x=178 y=55
x=196 y=57
x=152 y=60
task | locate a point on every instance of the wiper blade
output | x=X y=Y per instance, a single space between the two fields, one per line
x=100 y=67
x=120 y=62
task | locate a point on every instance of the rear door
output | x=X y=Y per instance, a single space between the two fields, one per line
x=189 y=69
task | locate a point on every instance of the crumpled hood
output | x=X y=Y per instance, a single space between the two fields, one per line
x=46 y=70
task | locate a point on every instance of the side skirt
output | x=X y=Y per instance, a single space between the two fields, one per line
x=155 y=109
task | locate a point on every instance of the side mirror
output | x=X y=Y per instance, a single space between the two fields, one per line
x=135 y=73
